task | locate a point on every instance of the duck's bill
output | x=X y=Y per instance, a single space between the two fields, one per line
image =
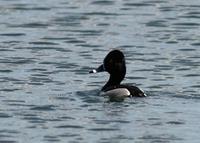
x=99 y=69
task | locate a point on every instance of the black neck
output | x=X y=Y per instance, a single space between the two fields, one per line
x=114 y=80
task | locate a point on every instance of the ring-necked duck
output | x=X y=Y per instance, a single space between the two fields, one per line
x=114 y=64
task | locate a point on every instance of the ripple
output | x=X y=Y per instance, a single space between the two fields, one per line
x=160 y=138
x=185 y=62
x=164 y=67
x=155 y=87
x=66 y=65
x=172 y=42
x=51 y=138
x=35 y=83
x=191 y=75
x=89 y=45
x=43 y=43
x=187 y=50
x=87 y=32
x=30 y=25
x=103 y=2
x=111 y=121
x=187 y=25
x=70 y=126
x=13 y=34
x=154 y=119
x=157 y=23
x=44 y=108
x=136 y=77
x=11 y=101
x=36 y=79
x=102 y=14
x=196 y=44
x=69 y=135
x=6 y=50
x=175 y=123
x=5 y=71
x=195 y=86
x=38 y=70
x=138 y=4
x=4 y=115
x=26 y=7
x=34 y=119
x=7 y=141
x=103 y=129
x=183 y=69
x=73 y=19
x=90 y=96
x=191 y=15
x=167 y=8
x=189 y=5
x=9 y=131
x=40 y=48
x=9 y=89
x=9 y=79
x=57 y=38
x=18 y=60
x=75 y=41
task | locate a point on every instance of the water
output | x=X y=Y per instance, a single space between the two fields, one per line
x=47 y=48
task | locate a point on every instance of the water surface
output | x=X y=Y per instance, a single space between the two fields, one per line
x=47 y=48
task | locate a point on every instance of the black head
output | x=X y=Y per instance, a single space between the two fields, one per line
x=114 y=64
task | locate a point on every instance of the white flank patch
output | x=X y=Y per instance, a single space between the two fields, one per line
x=117 y=92
x=117 y=95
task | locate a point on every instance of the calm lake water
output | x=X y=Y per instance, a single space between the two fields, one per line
x=47 y=48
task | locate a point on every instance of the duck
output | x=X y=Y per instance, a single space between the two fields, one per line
x=114 y=63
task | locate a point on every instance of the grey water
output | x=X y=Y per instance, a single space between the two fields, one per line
x=47 y=48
